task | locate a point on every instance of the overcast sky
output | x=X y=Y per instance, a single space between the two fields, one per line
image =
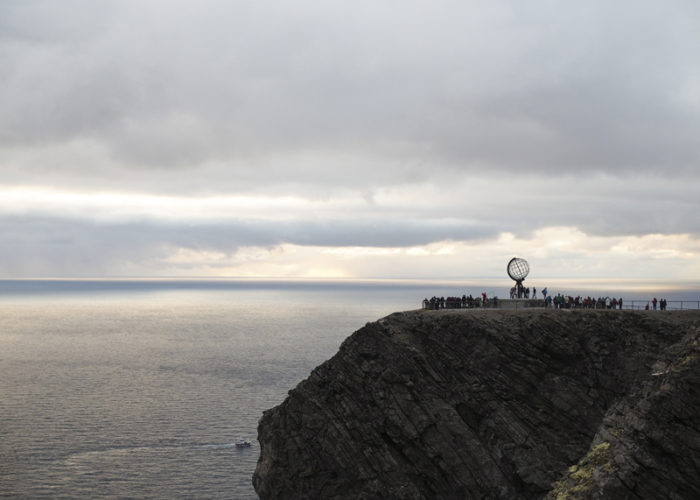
x=349 y=139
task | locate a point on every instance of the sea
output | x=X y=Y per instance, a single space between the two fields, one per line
x=139 y=388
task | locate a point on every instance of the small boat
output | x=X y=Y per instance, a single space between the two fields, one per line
x=243 y=443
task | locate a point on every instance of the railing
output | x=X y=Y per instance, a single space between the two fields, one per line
x=671 y=305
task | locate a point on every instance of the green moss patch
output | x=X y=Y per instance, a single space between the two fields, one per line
x=578 y=482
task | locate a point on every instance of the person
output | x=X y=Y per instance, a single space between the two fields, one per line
x=534 y=292
x=646 y=307
x=653 y=303
x=619 y=303
x=544 y=293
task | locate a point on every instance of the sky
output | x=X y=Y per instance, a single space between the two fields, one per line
x=363 y=139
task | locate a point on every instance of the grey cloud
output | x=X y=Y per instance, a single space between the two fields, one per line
x=35 y=245
x=449 y=85
x=384 y=233
x=46 y=245
x=597 y=204
x=50 y=245
x=578 y=115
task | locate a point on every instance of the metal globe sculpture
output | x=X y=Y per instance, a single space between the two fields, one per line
x=518 y=269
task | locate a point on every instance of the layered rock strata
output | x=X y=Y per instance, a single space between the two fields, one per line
x=495 y=404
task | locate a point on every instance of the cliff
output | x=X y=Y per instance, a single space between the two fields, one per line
x=495 y=404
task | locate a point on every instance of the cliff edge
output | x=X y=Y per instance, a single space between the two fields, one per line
x=495 y=404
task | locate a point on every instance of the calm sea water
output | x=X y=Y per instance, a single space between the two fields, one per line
x=140 y=388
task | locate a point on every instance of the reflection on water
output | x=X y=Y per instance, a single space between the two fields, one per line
x=115 y=396
x=140 y=390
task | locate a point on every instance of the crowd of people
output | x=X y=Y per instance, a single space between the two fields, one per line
x=567 y=302
x=559 y=301
x=661 y=303
x=463 y=302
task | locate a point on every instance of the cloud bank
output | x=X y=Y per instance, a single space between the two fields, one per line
x=138 y=134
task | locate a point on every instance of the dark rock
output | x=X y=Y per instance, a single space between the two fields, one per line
x=495 y=404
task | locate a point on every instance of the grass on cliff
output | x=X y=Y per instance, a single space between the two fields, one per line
x=579 y=480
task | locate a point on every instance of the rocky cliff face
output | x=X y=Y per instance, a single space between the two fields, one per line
x=495 y=404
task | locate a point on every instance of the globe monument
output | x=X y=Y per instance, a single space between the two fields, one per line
x=518 y=269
